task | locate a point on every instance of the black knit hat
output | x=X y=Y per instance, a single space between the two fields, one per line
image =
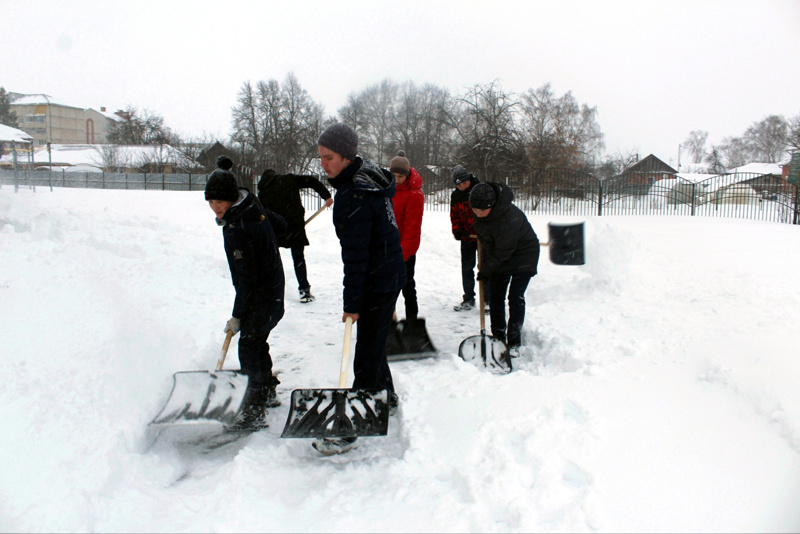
x=224 y=162
x=340 y=138
x=222 y=185
x=400 y=164
x=482 y=197
x=459 y=174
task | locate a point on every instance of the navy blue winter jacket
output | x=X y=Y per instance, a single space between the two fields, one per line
x=364 y=220
x=253 y=255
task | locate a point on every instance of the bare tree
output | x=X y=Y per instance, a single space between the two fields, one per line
x=557 y=132
x=140 y=128
x=484 y=123
x=768 y=139
x=617 y=163
x=276 y=125
x=371 y=114
x=696 y=145
x=734 y=151
x=794 y=131
x=420 y=127
x=714 y=160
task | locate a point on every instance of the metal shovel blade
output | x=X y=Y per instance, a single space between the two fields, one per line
x=409 y=340
x=203 y=396
x=566 y=243
x=486 y=352
x=337 y=413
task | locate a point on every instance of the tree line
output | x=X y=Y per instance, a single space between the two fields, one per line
x=496 y=134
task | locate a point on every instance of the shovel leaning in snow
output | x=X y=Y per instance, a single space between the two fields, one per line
x=482 y=350
x=337 y=413
x=204 y=396
x=408 y=339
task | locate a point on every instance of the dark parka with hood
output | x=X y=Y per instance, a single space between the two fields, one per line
x=508 y=241
x=281 y=193
x=363 y=217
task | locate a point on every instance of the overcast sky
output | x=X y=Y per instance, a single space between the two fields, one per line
x=655 y=70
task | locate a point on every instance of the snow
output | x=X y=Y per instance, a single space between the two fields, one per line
x=656 y=390
x=10 y=135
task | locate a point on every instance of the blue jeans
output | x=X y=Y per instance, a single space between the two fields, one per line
x=516 y=285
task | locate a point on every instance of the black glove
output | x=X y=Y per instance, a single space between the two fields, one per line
x=459 y=235
x=482 y=277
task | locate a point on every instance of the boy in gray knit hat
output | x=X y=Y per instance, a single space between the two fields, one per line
x=374 y=269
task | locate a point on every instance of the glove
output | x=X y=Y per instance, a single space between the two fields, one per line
x=459 y=235
x=482 y=277
x=232 y=325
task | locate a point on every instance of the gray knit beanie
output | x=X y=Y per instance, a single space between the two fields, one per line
x=340 y=138
x=459 y=174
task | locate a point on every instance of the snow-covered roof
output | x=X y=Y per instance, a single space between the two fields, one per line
x=9 y=134
x=30 y=100
x=759 y=168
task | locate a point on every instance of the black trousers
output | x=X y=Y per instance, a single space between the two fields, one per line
x=410 y=290
x=516 y=285
x=370 y=367
x=254 y=356
x=300 y=269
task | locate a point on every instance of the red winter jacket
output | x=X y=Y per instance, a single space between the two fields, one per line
x=408 y=203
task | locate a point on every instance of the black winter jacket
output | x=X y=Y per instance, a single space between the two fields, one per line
x=364 y=220
x=507 y=239
x=281 y=193
x=253 y=256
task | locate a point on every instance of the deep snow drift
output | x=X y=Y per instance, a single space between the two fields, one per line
x=656 y=391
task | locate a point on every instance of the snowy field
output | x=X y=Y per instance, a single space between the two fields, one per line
x=657 y=390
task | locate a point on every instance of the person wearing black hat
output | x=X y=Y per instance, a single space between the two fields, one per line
x=374 y=270
x=461 y=220
x=281 y=193
x=248 y=232
x=509 y=259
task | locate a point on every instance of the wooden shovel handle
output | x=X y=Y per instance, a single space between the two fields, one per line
x=315 y=214
x=480 y=292
x=348 y=332
x=224 y=351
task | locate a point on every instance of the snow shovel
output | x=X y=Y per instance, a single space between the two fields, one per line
x=204 y=396
x=482 y=350
x=408 y=340
x=338 y=413
x=566 y=243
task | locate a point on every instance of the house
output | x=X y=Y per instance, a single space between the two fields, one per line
x=15 y=143
x=639 y=178
x=49 y=121
x=208 y=156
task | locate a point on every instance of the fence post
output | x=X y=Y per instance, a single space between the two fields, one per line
x=600 y=198
x=694 y=197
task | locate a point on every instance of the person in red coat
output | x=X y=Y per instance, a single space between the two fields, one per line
x=408 y=203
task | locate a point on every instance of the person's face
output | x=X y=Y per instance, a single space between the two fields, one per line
x=463 y=186
x=219 y=207
x=399 y=178
x=332 y=163
x=482 y=213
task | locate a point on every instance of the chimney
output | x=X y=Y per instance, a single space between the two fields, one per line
x=103 y=109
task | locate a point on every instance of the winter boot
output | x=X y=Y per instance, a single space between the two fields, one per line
x=253 y=415
x=465 y=305
x=331 y=446
x=306 y=296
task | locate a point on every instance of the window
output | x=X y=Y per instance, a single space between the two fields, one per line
x=34 y=118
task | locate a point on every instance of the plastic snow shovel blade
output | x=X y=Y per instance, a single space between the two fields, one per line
x=486 y=352
x=566 y=243
x=409 y=340
x=337 y=413
x=203 y=396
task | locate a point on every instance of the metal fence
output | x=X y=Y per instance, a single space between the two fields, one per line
x=561 y=192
